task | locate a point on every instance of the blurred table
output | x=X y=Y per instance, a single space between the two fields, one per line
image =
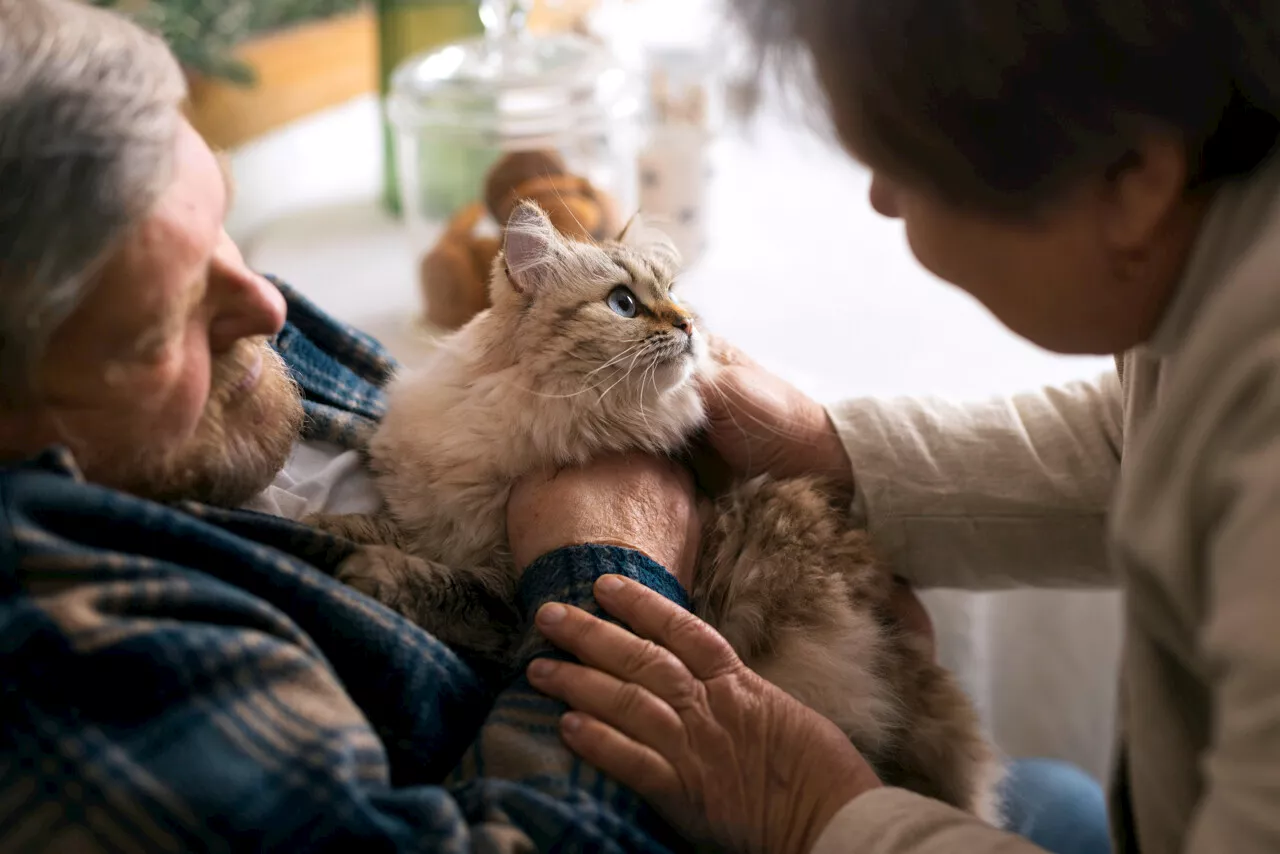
x=799 y=271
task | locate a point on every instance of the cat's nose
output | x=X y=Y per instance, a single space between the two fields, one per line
x=684 y=324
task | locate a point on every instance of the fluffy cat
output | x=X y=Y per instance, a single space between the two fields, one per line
x=587 y=349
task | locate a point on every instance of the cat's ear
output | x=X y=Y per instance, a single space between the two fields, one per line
x=641 y=234
x=532 y=245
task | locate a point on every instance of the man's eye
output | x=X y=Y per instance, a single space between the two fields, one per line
x=623 y=302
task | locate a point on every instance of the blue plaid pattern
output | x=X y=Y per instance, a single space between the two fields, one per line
x=341 y=372
x=187 y=678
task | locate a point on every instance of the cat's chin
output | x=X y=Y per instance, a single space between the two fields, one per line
x=679 y=371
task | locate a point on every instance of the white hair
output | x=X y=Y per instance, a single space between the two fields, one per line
x=89 y=112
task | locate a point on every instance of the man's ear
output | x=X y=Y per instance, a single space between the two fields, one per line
x=640 y=234
x=532 y=246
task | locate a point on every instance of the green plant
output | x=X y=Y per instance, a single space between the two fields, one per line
x=203 y=33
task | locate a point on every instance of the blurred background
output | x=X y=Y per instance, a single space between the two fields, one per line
x=378 y=145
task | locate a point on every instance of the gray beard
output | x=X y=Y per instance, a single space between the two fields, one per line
x=236 y=453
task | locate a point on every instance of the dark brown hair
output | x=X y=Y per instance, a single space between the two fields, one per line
x=999 y=104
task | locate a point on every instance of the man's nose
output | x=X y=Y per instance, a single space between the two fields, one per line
x=247 y=305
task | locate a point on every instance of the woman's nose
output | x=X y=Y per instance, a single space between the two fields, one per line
x=245 y=304
x=883 y=197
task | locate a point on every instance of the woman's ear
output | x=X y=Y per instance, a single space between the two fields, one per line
x=531 y=247
x=1143 y=188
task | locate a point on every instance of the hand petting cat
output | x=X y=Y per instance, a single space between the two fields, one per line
x=727 y=758
x=684 y=723
x=759 y=423
x=668 y=708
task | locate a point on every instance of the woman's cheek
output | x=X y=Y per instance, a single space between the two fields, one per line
x=954 y=253
x=925 y=249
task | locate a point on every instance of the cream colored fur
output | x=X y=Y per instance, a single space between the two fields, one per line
x=552 y=375
x=523 y=386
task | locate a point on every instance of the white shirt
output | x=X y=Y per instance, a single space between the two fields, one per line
x=319 y=477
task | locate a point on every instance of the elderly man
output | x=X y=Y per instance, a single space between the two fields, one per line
x=181 y=675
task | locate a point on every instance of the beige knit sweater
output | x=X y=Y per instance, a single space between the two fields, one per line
x=1168 y=484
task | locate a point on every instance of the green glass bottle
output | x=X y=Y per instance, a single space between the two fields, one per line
x=406 y=28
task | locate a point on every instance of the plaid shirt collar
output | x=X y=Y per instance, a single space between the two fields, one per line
x=341 y=371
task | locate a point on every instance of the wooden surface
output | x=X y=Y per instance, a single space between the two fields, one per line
x=315 y=66
x=300 y=71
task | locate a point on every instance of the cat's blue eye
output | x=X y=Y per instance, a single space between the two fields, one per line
x=623 y=302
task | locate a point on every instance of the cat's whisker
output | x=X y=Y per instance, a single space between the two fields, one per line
x=653 y=377
x=648 y=345
x=605 y=393
x=569 y=208
x=729 y=405
x=617 y=358
x=737 y=425
x=550 y=395
x=651 y=371
x=612 y=363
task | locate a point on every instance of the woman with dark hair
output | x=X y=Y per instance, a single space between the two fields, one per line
x=1101 y=175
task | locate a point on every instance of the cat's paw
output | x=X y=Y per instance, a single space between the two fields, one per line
x=473 y=612
x=360 y=528
x=379 y=572
x=331 y=523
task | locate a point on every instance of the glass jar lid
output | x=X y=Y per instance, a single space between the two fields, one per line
x=512 y=85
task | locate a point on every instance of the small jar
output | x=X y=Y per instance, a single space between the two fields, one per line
x=675 y=159
x=483 y=123
x=407 y=28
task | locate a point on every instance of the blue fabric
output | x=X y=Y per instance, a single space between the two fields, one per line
x=1057 y=806
x=187 y=678
x=340 y=370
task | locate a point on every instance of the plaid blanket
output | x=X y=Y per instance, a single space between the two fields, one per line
x=187 y=678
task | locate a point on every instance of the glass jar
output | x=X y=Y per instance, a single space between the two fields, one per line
x=675 y=160
x=407 y=28
x=483 y=123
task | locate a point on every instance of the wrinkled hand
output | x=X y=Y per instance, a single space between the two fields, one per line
x=726 y=757
x=634 y=501
x=761 y=424
x=758 y=424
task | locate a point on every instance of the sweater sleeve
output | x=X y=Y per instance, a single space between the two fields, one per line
x=1005 y=493
x=895 y=821
x=519 y=763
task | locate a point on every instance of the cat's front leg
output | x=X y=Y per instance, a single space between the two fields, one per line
x=363 y=528
x=472 y=611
